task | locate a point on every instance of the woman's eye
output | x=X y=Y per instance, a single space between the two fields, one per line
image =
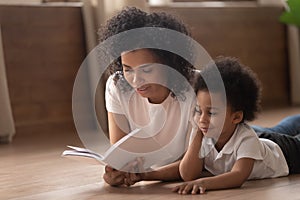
x=127 y=70
x=147 y=69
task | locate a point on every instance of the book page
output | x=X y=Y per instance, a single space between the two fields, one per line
x=84 y=156
x=121 y=159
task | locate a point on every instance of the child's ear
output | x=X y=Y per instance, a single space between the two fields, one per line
x=238 y=117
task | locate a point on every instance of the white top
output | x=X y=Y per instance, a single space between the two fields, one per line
x=166 y=126
x=244 y=143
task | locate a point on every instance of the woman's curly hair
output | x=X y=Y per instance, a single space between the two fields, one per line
x=132 y=18
x=242 y=87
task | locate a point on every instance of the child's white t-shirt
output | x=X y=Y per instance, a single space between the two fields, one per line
x=244 y=143
x=168 y=125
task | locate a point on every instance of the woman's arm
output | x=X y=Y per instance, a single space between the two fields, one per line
x=191 y=165
x=118 y=127
x=118 y=124
x=235 y=178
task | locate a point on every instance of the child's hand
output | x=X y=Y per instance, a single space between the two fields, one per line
x=192 y=187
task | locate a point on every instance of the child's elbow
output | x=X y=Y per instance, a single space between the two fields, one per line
x=188 y=176
x=239 y=183
x=242 y=182
x=189 y=173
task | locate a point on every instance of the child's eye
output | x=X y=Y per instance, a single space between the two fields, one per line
x=197 y=111
x=212 y=113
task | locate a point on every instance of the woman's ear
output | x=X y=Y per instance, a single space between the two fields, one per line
x=238 y=117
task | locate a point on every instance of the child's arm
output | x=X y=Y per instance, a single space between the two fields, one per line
x=235 y=178
x=191 y=165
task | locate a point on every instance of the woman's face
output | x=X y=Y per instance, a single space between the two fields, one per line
x=144 y=75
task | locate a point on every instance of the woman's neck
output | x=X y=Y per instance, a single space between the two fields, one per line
x=161 y=96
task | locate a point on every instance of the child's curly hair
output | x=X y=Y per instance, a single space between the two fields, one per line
x=132 y=18
x=242 y=87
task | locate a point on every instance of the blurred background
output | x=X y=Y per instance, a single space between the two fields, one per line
x=44 y=42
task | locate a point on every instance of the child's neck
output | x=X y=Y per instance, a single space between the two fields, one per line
x=224 y=138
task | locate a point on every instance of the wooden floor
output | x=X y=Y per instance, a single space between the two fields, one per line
x=31 y=168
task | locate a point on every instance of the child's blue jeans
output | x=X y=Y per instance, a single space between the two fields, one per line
x=288 y=126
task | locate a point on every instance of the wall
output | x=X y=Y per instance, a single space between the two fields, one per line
x=43 y=48
x=247 y=31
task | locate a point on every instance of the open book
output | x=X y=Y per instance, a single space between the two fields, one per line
x=119 y=158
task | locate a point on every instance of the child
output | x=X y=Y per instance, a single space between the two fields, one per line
x=237 y=154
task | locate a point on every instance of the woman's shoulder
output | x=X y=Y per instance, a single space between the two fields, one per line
x=110 y=84
x=112 y=77
x=117 y=83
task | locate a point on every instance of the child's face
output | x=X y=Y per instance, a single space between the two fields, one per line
x=215 y=119
x=142 y=74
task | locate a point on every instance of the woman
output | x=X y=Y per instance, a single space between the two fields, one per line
x=146 y=89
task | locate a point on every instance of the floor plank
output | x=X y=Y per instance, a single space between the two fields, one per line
x=31 y=168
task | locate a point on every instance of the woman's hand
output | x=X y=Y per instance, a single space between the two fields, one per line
x=191 y=187
x=135 y=171
x=114 y=177
x=129 y=174
x=132 y=178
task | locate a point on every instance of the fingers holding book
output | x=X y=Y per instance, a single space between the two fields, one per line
x=127 y=176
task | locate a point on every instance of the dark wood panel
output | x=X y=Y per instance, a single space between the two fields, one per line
x=44 y=47
x=253 y=34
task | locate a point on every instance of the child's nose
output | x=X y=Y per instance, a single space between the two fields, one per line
x=204 y=118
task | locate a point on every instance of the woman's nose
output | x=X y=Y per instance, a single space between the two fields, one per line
x=137 y=79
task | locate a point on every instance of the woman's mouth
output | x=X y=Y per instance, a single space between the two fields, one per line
x=142 y=89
